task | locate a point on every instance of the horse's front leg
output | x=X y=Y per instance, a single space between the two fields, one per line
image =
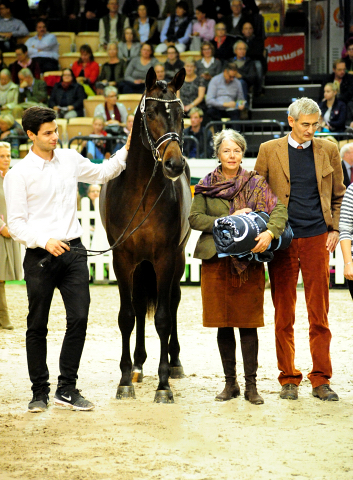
x=163 y=321
x=123 y=272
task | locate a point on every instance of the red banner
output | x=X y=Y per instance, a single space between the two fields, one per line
x=285 y=53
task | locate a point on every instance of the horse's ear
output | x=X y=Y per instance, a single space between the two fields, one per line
x=178 y=80
x=151 y=78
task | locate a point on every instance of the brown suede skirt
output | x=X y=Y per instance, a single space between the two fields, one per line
x=224 y=303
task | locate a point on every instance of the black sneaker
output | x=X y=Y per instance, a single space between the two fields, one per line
x=39 y=402
x=72 y=399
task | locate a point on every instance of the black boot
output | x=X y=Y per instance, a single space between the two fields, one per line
x=226 y=345
x=250 y=347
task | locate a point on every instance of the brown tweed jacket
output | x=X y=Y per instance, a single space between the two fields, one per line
x=273 y=163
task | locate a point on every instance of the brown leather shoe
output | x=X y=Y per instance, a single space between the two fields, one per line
x=289 y=391
x=230 y=391
x=324 y=392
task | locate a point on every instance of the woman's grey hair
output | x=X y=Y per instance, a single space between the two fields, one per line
x=228 y=134
x=346 y=148
x=5 y=145
x=303 y=106
x=109 y=90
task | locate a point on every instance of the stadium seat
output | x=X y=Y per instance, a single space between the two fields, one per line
x=79 y=126
x=66 y=41
x=196 y=55
x=9 y=57
x=90 y=104
x=92 y=38
x=130 y=100
x=67 y=59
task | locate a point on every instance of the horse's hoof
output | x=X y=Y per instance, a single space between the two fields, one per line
x=125 y=392
x=164 y=396
x=177 y=372
x=137 y=375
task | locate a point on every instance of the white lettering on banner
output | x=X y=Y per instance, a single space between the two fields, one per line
x=281 y=58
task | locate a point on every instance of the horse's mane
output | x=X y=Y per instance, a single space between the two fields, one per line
x=162 y=84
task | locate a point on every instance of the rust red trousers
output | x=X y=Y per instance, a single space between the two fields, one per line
x=311 y=256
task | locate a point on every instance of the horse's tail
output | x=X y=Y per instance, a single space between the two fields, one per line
x=145 y=288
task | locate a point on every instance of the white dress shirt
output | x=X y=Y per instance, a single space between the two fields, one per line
x=293 y=143
x=41 y=195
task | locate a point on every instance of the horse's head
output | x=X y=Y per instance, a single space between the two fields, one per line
x=162 y=122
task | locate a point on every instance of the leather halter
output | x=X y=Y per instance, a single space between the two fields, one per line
x=167 y=137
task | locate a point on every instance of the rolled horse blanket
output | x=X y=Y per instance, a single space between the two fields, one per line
x=235 y=235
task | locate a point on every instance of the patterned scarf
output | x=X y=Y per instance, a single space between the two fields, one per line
x=246 y=189
x=116 y=112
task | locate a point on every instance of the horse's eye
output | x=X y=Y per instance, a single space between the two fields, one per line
x=150 y=114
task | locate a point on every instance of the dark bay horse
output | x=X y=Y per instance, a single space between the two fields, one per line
x=149 y=263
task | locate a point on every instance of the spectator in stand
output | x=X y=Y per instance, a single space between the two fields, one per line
x=9 y=126
x=256 y=47
x=208 y=66
x=176 y=29
x=198 y=131
x=130 y=9
x=23 y=12
x=128 y=48
x=346 y=237
x=247 y=72
x=346 y=154
x=225 y=97
x=113 y=70
x=173 y=63
x=217 y=9
x=124 y=133
x=223 y=44
x=67 y=96
x=135 y=74
x=348 y=60
x=8 y=91
x=145 y=27
x=240 y=15
x=32 y=93
x=85 y=69
x=202 y=30
x=193 y=91
x=333 y=111
x=170 y=5
x=62 y=16
x=10 y=27
x=113 y=112
x=342 y=79
x=94 y=11
x=95 y=149
x=111 y=26
x=160 y=71
x=44 y=48
x=23 y=61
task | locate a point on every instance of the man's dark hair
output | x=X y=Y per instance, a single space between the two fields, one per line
x=183 y=5
x=34 y=117
x=21 y=46
x=231 y=66
x=40 y=20
x=6 y=3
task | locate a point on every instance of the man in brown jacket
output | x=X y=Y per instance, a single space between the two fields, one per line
x=306 y=175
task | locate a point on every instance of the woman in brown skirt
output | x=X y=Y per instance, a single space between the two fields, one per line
x=233 y=290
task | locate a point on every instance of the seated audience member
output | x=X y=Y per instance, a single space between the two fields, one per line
x=240 y=15
x=124 y=133
x=160 y=71
x=23 y=61
x=170 y=5
x=256 y=46
x=10 y=28
x=217 y=9
x=32 y=92
x=44 y=48
x=193 y=91
x=208 y=66
x=247 y=73
x=223 y=44
x=225 y=97
x=62 y=16
x=85 y=69
x=8 y=91
x=111 y=26
x=22 y=11
x=67 y=96
x=202 y=29
x=113 y=70
x=10 y=128
x=346 y=153
x=176 y=29
x=94 y=11
x=136 y=71
x=95 y=149
x=348 y=60
x=198 y=131
x=333 y=111
x=145 y=28
x=173 y=63
x=113 y=112
x=342 y=79
x=128 y=48
x=130 y=8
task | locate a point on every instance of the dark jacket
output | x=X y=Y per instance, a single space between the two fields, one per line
x=75 y=95
x=346 y=87
x=225 y=52
x=119 y=27
x=98 y=7
x=190 y=146
x=153 y=37
x=248 y=71
x=257 y=21
x=38 y=93
x=172 y=70
x=346 y=179
x=15 y=68
x=337 y=117
x=54 y=9
x=119 y=71
x=216 y=7
x=130 y=8
x=255 y=51
x=172 y=35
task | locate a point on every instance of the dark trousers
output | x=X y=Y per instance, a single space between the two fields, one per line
x=69 y=273
x=47 y=64
x=129 y=87
x=350 y=286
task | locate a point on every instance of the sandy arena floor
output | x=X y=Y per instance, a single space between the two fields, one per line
x=195 y=438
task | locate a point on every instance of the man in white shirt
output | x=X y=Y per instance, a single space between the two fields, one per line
x=41 y=198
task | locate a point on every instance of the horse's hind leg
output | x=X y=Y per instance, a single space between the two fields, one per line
x=176 y=369
x=140 y=300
